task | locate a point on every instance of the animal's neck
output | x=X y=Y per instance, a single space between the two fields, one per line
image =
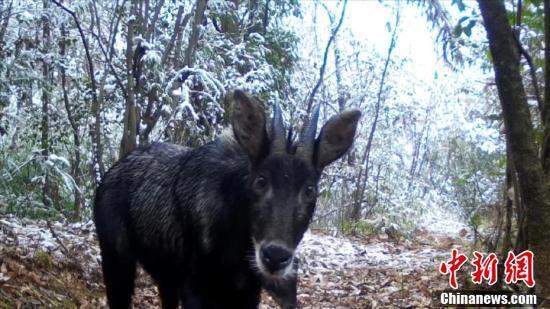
x=233 y=218
x=223 y=200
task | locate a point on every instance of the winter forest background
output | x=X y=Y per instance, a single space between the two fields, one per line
x=84 y=82
x=77 y=76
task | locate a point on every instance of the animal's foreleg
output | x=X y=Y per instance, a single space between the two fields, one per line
x=168 y=293
x=284 y=291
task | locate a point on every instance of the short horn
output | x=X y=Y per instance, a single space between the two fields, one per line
x=307 y=138
x=278 y=142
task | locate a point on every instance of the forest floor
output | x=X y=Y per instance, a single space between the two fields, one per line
x=56 y=264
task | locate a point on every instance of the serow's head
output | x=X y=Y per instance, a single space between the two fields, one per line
x=284 y=175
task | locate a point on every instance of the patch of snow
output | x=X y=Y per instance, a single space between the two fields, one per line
x=443 y=222
x=55 y=158
x=321 y=257
x=152 y=57
x=34 y=235
x=319 y=253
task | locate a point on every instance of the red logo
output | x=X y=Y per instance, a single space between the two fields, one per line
x=519 y=268
x=485 y=268
x=452 y=266
x=516 y=268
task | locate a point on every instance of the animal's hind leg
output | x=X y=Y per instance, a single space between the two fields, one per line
x=118 y=274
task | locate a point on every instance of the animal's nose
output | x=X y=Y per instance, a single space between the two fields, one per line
x=275 y=257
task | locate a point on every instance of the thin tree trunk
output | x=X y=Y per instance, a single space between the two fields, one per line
x=338 y=69
x=520 y=134
x=129 y=134
x=177 y=29
x=154 y=104
x=508 y=200
x=265 y=18
x=179 y=41
x=45 y=131
x=194 y=37
x=322 y=70
x=5 y=22
x=75 y=168
x=95 y=129
x=545 y=117
x=363 y=178
x=521 y=237
x=151 y=24
x=508 y=203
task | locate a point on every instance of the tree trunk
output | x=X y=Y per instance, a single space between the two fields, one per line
x=265 y=18
x=5 y=16
x=323 y=67
x=363 y=178
x=195 y=29
x=519 y=133
x=76 y=173
x=508 y=203
x=545 y=117
x=179 y=41
x=98 y=167
x=129 y=134
x=178 y=27
x=44 y=127
x=338 y=70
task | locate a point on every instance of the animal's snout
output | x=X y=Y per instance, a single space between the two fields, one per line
x=275 y=257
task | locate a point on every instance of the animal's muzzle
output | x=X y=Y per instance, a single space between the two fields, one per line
x=275 y=257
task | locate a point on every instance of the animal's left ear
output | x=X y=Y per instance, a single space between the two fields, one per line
x=249 y=125
x=337 y=136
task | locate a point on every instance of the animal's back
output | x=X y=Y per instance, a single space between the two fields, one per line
x=134 y=200
x=172 y=209
x=164 y=203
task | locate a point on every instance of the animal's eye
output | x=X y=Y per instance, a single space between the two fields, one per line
x=310 y=192
x=260 y=183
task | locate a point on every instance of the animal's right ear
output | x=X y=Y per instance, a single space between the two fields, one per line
x=337 y=136
x=249 y=125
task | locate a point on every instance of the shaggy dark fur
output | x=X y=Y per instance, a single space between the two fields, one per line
x=212 y=225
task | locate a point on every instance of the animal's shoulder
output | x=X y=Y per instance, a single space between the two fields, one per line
x=147 y=159
x=156 y=153
x=161 y=150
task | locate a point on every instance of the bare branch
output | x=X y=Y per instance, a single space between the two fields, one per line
x=528 y=58
x=110 y=64
x=363 y=178
x=325 y=56
x=532 y=72
x=153 y=21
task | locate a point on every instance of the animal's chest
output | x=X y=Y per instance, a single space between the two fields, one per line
x=224 y=278
x=229 y=255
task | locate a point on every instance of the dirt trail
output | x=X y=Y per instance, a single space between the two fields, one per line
x=57 y=265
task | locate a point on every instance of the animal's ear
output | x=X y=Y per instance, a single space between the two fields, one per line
x=336 y=136
x=249 y=125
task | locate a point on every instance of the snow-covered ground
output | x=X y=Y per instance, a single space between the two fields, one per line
x=320 y=252
x=442 y=221
x=61 y=240
x=333 y=271
x=317 y=252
